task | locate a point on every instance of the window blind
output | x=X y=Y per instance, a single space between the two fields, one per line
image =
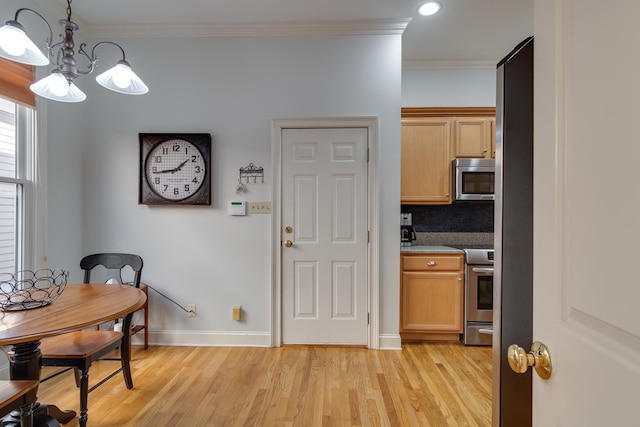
x=15 y=79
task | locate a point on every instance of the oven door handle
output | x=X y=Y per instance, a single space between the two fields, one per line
x=485 y=270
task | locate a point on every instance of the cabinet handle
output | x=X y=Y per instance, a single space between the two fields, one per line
x=431 y=263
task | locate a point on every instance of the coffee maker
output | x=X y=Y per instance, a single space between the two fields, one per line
x=407 y=233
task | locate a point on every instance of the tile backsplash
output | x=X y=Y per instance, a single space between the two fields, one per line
x=456 y=224
x=461 y=217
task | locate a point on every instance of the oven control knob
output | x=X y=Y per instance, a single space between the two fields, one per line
x=538 y=357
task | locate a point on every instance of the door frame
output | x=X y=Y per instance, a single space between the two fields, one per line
x=373 y=273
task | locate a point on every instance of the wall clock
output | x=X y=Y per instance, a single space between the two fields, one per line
x=175 y=169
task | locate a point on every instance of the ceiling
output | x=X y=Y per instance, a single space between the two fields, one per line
x=464 y=33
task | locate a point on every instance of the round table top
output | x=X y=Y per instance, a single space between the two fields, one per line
x=78 y=307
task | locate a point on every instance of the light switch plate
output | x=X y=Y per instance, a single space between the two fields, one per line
x=259 y=207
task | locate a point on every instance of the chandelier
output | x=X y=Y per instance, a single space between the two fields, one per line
x=15 y=45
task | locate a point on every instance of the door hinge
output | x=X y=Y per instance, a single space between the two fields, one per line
x=368 y=316
x=367 y=236
x=367 y=155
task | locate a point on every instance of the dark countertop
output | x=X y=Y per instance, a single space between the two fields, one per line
x=419 y=249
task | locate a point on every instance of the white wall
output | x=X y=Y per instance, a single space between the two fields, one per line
x=454 y=87
x=61 y=132
x=231 y=88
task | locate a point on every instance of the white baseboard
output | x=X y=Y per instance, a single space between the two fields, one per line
x=234 y=339
x=390 y=342
x=206 y=338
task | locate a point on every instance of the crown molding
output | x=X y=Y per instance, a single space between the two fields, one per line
x=449 y=64
x=251 y=29
x=231 y=29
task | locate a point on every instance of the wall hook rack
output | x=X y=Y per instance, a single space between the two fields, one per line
x=252 y=171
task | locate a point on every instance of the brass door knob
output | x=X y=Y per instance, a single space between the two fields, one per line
x=538 y=357
x=288 y=243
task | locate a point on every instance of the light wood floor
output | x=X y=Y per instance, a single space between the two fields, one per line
x=443 y=384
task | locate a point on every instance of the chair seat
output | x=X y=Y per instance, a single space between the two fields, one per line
x=78 y=350
x=79 y=344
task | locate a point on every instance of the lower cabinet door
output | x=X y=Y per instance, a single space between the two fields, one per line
x=432 y=302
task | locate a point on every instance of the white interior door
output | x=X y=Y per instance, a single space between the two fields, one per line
x=586 y=215
x=324 y=217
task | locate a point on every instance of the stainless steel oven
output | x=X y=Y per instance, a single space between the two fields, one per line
x=478 y=297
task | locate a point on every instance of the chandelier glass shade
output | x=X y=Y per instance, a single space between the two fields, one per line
x=17 y=46
x=56 y=87
x=59 y=85
x=121 y=78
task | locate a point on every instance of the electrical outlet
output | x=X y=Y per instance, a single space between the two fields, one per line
x=259 y=207
x=237 y=312
x=191 y=308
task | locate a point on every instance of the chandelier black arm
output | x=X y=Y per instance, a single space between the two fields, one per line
x=93 y=58
x=49 y=40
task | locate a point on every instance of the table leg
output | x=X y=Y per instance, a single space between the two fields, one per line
x=25 y=360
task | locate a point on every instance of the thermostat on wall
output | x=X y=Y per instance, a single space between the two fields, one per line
x=237 y=208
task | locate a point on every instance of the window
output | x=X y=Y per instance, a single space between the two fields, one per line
x=16 y=182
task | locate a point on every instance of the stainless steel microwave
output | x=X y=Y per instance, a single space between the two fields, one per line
x=474 y=179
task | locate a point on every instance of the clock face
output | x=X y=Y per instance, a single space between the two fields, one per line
x=175 y=169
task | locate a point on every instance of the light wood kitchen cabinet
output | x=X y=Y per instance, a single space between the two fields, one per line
x=431 y=139
x=474 y=137
x=426 y=161
x=432 y=296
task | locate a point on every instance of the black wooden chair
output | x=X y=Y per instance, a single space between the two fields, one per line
x=78 y=350
x=18 y=394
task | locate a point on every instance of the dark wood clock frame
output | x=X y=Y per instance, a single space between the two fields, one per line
x=148 y=141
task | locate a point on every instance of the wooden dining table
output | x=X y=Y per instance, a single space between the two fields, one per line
x=78 y=307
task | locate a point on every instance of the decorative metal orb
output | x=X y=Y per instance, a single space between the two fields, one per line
x=31 y=289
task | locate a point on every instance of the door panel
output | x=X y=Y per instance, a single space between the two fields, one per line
x=586 y=290
x=306 y=290
x=344 y=290
x=324 y=200
x=306 y=195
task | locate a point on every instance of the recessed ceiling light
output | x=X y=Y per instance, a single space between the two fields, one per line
x=429 y=8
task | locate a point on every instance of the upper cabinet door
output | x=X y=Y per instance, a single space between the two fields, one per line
x=426 y=161
x=431 y=138
x=473 y=137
